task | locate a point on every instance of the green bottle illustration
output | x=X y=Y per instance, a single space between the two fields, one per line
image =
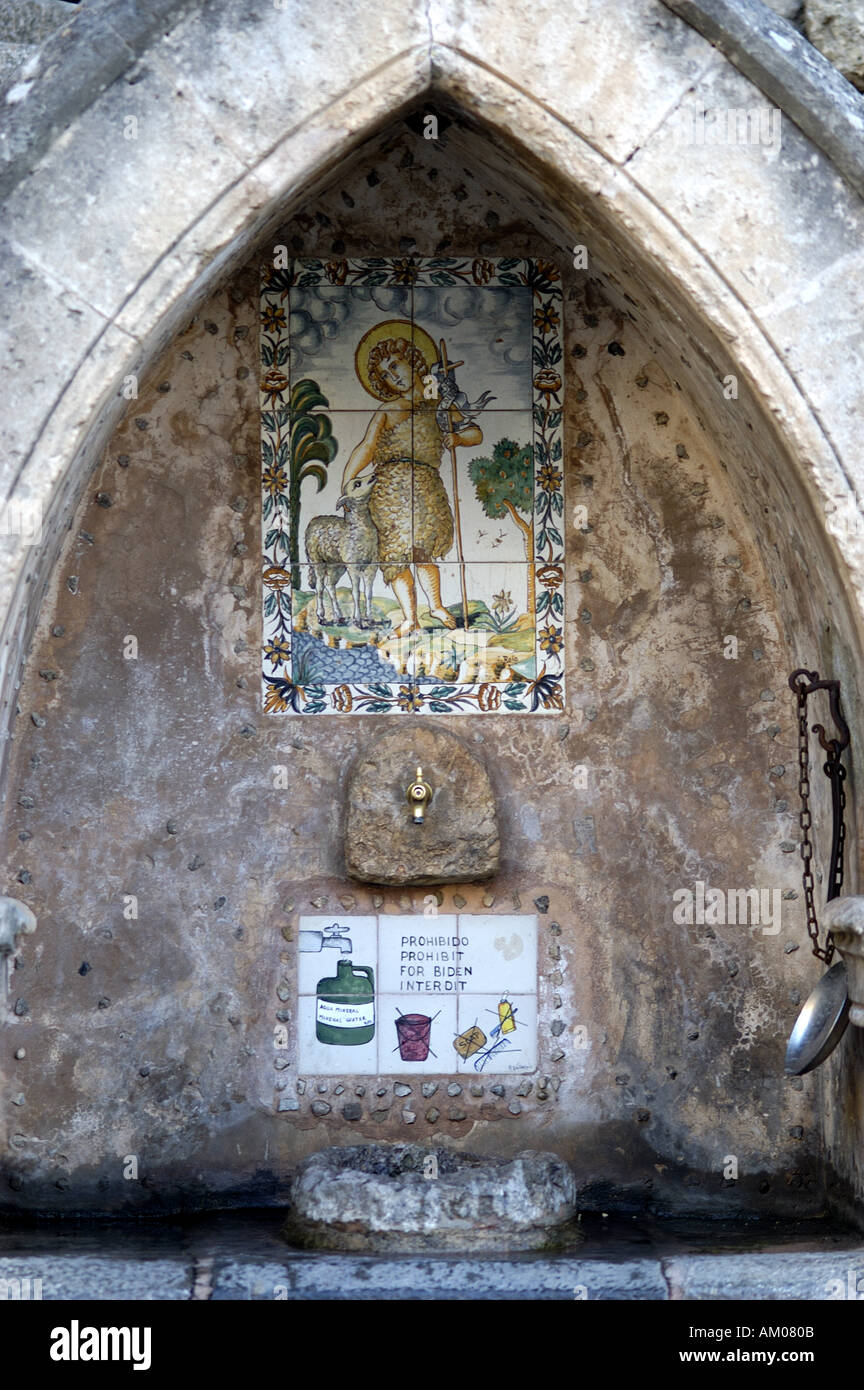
x=345 y=1006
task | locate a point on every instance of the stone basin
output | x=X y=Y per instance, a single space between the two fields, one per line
x=408 y=1197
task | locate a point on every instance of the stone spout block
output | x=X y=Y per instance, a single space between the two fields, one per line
x=458 y=842
x=844 y=918
x=16 y=920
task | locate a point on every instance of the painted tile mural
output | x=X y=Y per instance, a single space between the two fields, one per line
x=412 y=486
x=388 y=995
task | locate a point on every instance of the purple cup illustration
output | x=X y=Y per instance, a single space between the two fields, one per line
x=413 y=1033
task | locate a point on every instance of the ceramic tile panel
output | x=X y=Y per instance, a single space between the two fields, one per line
x=326 y=324
x=396 y=994
x=456 y=472
x=487 y=331
x=500 y=645
x=496 y=505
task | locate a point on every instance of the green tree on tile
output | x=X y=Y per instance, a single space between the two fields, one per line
x=313 y=449
x=504 y=484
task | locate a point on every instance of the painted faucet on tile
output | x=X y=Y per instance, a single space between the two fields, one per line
x=424 y=569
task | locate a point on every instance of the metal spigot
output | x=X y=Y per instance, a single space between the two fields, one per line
x=419 y=794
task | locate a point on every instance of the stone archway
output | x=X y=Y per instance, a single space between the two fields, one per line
x=674 y=245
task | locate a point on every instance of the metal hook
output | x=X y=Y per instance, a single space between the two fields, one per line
x=802 y=688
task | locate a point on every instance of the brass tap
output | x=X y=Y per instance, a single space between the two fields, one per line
x=418 y=795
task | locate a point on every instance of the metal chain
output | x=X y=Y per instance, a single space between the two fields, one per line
x=842 y=836
x=840 y=773
x=833 y=767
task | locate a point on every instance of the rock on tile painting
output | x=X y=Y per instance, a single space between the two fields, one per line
x=412 y=486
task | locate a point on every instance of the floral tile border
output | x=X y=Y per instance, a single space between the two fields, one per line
x=544 y=693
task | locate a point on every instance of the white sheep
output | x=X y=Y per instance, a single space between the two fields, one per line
x=335 y=544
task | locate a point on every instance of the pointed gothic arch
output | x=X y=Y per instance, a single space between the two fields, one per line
x=109 y=257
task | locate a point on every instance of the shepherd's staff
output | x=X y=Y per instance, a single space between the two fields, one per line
x=445 y=368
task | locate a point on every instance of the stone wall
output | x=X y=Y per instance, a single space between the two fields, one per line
x=838 y=32
x=24 y=26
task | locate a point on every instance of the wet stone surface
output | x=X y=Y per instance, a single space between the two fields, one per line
x=408 y=1197
x=240 y=1255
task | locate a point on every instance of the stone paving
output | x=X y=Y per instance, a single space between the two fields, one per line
x=242 y=1257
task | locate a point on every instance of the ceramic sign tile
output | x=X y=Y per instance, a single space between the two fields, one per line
x=319 y=1056
x=412 y=486
x=414 y=1038
x=322 y=941
x=500 y=1032
x=504 y=947
x=395 y=995
x=399 y=938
